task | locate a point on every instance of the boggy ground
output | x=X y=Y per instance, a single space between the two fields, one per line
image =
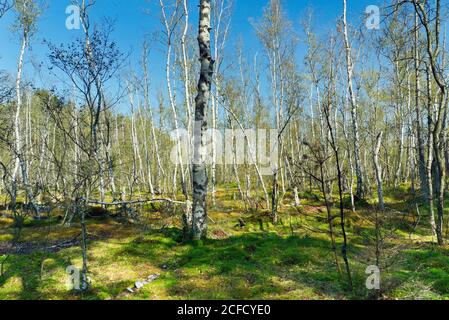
x=290 y=260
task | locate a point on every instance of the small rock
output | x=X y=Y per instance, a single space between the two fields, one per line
x=139 y=285
x=153 y=277
x=130 y=290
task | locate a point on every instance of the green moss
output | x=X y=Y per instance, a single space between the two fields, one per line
x=262 y=260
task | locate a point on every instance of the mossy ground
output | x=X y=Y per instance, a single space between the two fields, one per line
x=290 y=260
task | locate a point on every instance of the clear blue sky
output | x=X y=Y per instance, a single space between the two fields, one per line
x=137 y=18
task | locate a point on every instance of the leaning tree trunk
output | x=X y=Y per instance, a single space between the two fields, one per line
x=200 y=180
x=19 y=152
x=18 y=145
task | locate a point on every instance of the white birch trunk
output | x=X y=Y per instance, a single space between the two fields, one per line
x=354 y=106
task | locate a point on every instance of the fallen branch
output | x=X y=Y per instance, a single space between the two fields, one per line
x=31 y=247
x=126 y=203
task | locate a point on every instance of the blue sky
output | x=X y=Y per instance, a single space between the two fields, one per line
x=137 y=18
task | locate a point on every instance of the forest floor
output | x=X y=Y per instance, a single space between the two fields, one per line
x=245 y=257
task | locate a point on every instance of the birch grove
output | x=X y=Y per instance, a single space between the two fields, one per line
x=213 y=129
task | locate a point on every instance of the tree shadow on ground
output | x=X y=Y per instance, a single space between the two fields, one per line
x=30 y=271
x=258 y=265
x=428 y=265
x=250 y=266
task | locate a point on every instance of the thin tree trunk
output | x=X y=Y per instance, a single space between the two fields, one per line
x=419 y=133
x=430 y=158
x=354 y=108
x=187 y=83
x=330 y=220
x=159 y=168
x=168 y=28
x=378 y=171
x=19 y=155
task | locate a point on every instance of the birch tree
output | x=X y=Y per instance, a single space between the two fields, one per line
x=378 y=169
x=28 y=12
x=221 y=20
x=354 y=106
x=171 y=22
x=199 y=172
x=276 y=35
x=439 y=135
x=88 y=64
